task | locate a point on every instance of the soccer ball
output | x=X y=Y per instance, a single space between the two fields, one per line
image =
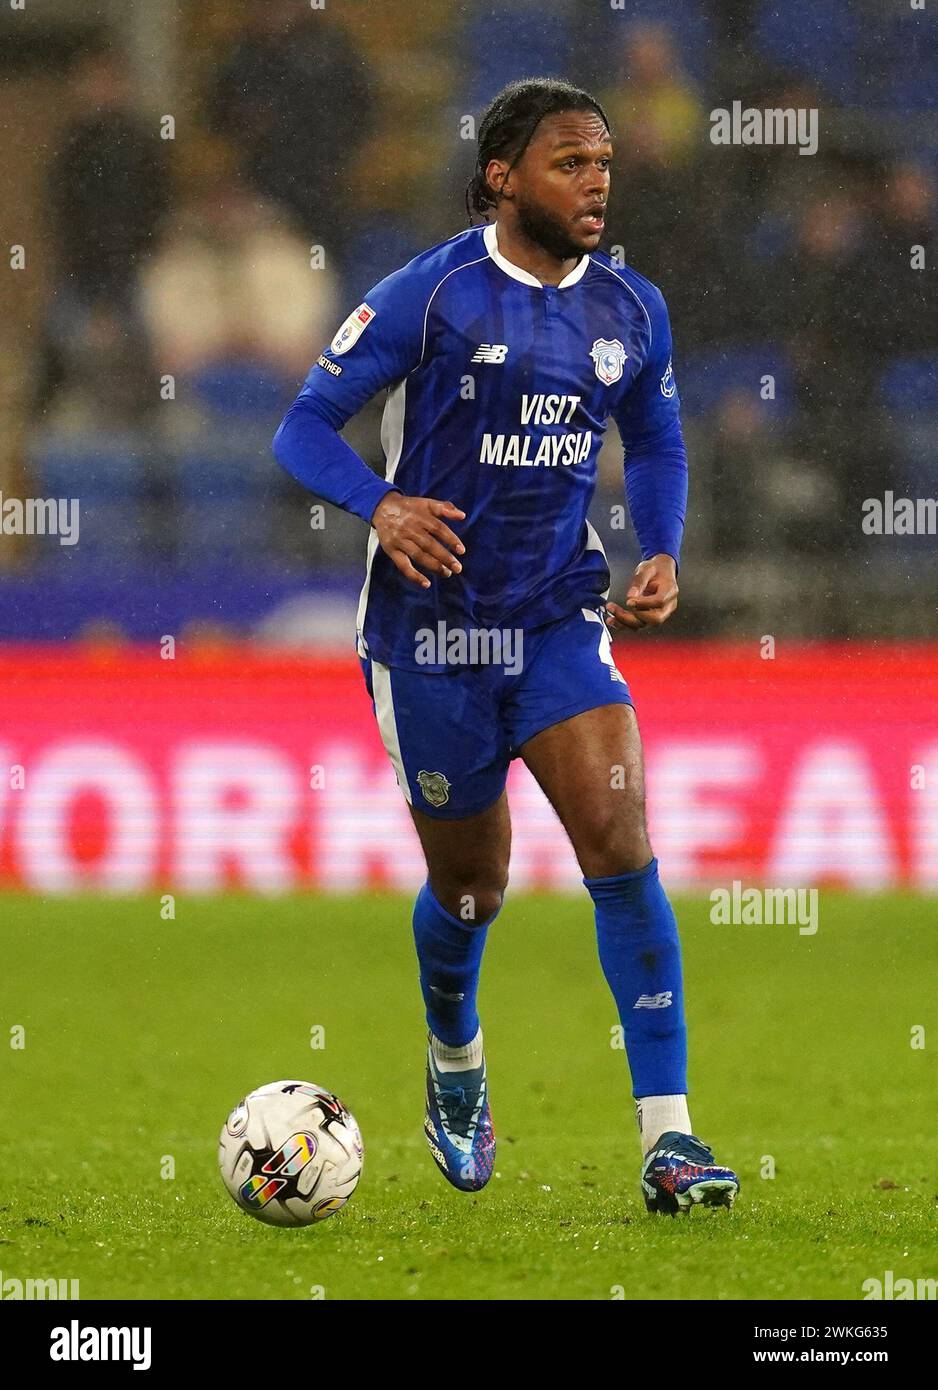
x=290 y=1153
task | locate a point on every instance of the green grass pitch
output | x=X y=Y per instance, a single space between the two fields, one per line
x=140 y=1034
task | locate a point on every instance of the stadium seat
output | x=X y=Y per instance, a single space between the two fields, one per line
x=211 y=529
x=104 y=465
x=908 y=389
x=705 y=378
x=377 y=247
x=687 y=20
x=241 y=389
x=909 y=386
x=499 y=46
x=909 y=85
x=822 y=42
x=110 y=476
x=226 y=457
x=915 y=89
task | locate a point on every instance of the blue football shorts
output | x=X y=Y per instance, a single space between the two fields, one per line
x=452 y=734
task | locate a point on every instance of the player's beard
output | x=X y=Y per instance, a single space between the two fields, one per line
x=546 y=231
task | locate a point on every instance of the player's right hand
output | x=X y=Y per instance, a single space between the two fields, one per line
x=411 y=530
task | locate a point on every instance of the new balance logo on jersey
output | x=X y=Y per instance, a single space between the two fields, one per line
x=654 y=1001
x=490 y=352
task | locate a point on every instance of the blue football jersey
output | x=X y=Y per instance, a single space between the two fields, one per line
x=501 y=389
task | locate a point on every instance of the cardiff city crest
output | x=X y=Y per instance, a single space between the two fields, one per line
x=607 y=359
x=435 y=787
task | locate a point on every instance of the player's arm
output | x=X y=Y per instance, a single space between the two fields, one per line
x=655 y=462
x=379 y=344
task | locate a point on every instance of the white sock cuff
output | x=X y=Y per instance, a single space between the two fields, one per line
x=462 y=1058
x=657 y=1114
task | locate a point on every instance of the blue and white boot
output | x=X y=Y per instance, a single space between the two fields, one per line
x=458 y=1124
x=680 y=1173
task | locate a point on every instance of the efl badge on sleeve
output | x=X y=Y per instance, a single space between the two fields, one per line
x=608 y=358
x=352 y=329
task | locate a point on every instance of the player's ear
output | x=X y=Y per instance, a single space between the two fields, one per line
x=496 y=175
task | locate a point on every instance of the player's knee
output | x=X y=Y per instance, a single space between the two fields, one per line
x=487 y=902
x=474 y=901
x=613 y=844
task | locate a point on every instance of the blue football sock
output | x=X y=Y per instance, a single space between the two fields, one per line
x=450 y=955
x=640 y=955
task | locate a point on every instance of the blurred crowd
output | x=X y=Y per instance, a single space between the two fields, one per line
x=190 y=296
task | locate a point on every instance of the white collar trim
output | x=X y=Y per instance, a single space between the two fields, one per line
x=490 y=237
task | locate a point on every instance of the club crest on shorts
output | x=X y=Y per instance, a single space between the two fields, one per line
x=607 y=359
x=435 y=787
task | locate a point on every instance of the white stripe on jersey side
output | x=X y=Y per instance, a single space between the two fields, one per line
x=387 y=725
x=392 y=441
x=605 y=641
x=632 y=292
x=594 y=542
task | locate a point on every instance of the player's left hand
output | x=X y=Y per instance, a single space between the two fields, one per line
x=651 y=599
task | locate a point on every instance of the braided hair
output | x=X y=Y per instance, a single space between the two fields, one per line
x=509 y=123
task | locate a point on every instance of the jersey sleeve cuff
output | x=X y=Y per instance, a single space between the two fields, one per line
x=364 y=501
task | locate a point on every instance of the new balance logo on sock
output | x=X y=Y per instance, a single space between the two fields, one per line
x=654 y=1001
x=453 y=998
